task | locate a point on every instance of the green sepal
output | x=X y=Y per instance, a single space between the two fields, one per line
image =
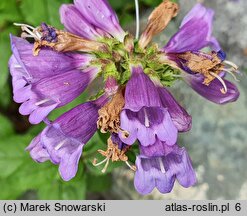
x=110 y=70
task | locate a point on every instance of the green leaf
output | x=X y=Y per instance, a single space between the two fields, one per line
x=58 y=189
x=42 y=11
x=119 y=5
x=9 y=11
x=19 y=173
x=97 y=183
x=5 y=53
x=6 y=127
x=34 y=13
x=12 y=154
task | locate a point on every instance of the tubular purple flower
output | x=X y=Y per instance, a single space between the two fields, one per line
x=27 y=69
x=37 y=151
x=184 y=50
x=213 y=91
x=47 y=81
x=100 y=14
x=64 y=139
x=195 y=32
x=158 y=149
x=75 y=23
x=181 y=119
x=40 y=98
x=161 y=172
x=46 y=64
x=143 y=116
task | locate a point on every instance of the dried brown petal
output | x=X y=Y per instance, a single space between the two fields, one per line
x=203 y=65
x=109 y=115
x=158 y=20
x=67 y=42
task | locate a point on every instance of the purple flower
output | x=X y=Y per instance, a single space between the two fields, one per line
x=143 y=116
x=212 y=92
x=70 y=15
x=195 y=32
x=161 y=172
x=181 y=119
x=91 y=19
x=62 y=141
x=204 y=69
x=158 y=149
x=38 y=151
x=47 y=81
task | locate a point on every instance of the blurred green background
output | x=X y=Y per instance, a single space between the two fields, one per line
x=20 y=176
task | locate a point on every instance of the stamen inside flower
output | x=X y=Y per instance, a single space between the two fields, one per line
x=231 y=64
x=162 y=168
x=125 y=134
x=61 y=41
x=29 y=31
x=224 y=89
x=113 y=153
x=147 y=124
x=231 y=73
x=59 y=145
x=203 y=63
x=209 y=65
x=42 y=102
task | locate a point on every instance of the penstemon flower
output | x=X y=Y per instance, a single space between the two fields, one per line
x=135 y=106
x=204 y=72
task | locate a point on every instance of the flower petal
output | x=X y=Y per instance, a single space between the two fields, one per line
x=161 y=172
x=149 y=175
x=195 y=32
x=158 y=149
x=47 y=63
x=140 y=91
x=144 y=181
x=62 y=141
x=213 y=92
x=42 y=97
x=181 y=119
x=166 y=130
x=127 y=124
x=63 y=150
x=37 y=151
x=100 y=14
x=146 y=124
x=75 y=23
x=181 y=166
